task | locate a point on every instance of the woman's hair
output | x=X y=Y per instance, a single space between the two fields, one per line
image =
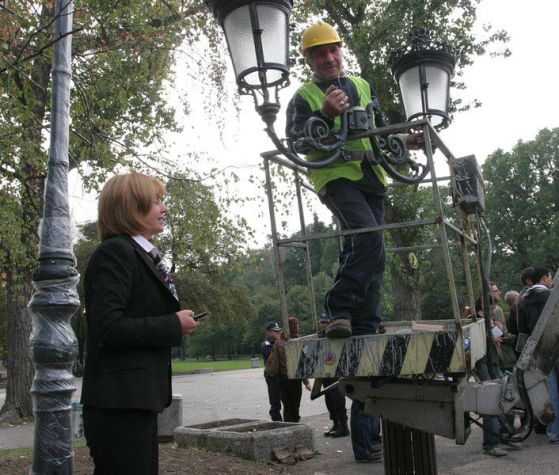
x=511 y=296
x=123 y=201
x=293 y=324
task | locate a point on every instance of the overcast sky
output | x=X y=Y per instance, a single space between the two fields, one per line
x=519 y=96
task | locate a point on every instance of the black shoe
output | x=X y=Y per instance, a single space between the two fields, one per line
x=338 y=328
x=341 y=430
x=370 y=458
x=540 y=428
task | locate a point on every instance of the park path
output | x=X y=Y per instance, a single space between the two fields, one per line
x=242 y=394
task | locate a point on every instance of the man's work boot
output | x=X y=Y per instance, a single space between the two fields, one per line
x=338 y=328
x=341 y=430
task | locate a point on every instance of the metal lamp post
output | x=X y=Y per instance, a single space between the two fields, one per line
x=53 y=343
x=423 y=69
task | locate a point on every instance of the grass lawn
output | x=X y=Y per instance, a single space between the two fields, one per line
x=28 y=451
x=181 y=367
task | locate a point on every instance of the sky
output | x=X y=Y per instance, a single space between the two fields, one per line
x=519 y=96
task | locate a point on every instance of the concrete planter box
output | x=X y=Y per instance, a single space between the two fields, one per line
x=195 y=436
x=253 y=440
x=170 y=419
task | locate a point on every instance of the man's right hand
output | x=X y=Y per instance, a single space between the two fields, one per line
x=335 y=102
x=188 y=324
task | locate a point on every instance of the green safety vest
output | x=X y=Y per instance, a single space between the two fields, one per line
x=350 y=169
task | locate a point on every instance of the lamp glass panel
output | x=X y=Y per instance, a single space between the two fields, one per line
x=437 y=79
x=410 y=88
x=275 y=29
x=238 y=29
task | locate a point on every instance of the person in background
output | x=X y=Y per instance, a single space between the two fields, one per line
x=496 y=311
x=511 y=299
x=529 y=311
x=335 y=400
x=526 y=278
x=507 y=355
x=290 y=389
x=491 y=443
x=134 y=317
x=272 y=334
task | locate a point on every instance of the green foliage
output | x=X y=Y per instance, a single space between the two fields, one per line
x=200 y=235
x=3 y=316
x=322 y=253
x=83 y=249
x=522 y=192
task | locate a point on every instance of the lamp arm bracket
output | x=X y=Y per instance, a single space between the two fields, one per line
x=318 y=136
x=391 y=152
x=290 y=154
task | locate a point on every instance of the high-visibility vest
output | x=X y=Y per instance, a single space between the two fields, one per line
x=351 y=169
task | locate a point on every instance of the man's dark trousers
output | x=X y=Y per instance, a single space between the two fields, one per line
x=335 y=402
x=365 y=432
x=274 y=397
x=355 y=293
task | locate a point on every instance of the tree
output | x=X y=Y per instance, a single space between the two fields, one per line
x=123 y=54
x=294 y=266
x=522 y=192
x=200 y=236
x=370 y=30
x=83 y=249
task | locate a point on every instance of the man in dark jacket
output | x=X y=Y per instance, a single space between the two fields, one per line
x=272 y=333
x=533 y=301
x=529 y=310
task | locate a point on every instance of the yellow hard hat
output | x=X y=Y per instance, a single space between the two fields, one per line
x=320 y=33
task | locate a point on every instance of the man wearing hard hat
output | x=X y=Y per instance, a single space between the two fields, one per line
x=354 y=190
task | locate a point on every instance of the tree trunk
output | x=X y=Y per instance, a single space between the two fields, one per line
x=17 y=404
x=405 y=288
x=405 y=279
x=20 y=371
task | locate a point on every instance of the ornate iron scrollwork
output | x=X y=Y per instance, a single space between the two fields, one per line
x=390 y=152
x=317 y=135
x=394 y=153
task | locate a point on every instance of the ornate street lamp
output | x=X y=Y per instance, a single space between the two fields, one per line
x=423 y=69
x=257 y=33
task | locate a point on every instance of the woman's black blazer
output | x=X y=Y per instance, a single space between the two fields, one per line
x=131 y=327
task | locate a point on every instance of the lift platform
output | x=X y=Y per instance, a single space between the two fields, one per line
x=402 y=348
x=417 y=375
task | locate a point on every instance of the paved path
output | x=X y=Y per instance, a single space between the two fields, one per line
x=224 y=395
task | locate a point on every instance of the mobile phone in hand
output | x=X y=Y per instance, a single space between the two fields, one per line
x=199 y=316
